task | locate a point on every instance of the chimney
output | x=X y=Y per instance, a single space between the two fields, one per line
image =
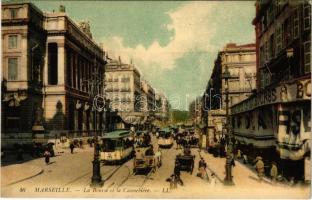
x=62 y=9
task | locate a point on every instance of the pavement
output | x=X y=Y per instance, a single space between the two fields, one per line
x=15 y=173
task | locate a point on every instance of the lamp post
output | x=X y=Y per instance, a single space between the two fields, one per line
x=229 y=157
x=94 y=82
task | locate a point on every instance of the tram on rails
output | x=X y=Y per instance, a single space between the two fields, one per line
x=165 y=139
x=116 y=146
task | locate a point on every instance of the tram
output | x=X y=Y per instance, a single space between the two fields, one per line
x=116 y=146
x=165 y=139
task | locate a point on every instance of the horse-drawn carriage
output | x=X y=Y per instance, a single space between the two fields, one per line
x=185 y=139
x=186 y=161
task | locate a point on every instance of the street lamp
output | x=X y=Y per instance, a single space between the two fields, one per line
x=94 y=82
x=229 y=157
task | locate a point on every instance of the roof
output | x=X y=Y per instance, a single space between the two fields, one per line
x=116 y=134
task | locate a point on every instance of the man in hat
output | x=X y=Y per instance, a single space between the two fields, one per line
x=260 y=167
x=273 y=172
x=202 y=168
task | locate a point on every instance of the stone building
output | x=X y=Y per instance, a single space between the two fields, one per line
x=240 y=60
x=276 y=121
x=72 y=60
x=241 y=63
x=147 y=97
x=123 y=88
x=23 y=51
x=48 y=62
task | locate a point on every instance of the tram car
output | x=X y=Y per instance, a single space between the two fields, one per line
x=186 y=160
x=165 y=139
x=144 y=159
x=116 y=146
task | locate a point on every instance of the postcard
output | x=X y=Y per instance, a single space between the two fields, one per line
x=156 y=99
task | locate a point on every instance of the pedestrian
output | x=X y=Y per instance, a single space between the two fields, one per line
x=158 y=157
x=260 y=167
x=47 y=156
x=173 y=182
x=71 y=146
x=239 y=154
x=213 y=180
x=274 y=172
x=245 y=159
x=202 y=168
x=177 y=172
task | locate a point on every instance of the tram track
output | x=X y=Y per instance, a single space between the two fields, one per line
x=132 y=175
x=110 y=173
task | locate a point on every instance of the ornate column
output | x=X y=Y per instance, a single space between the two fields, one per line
x=61 y=63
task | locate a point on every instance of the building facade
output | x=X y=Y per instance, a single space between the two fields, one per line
x=147 y=97
x=123 y=89
x=276 y=121
x=23 y=51
x=240 y=61
x=48 y=65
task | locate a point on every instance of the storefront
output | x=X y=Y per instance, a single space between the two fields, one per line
x=277 y=125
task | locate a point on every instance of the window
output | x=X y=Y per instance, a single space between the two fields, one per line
x=296 y=24
x=52 y=64
x=307 y=17
x=12 y=69
x=278 y=39
x=287 y=33
x=12 y=41
x=307 y=57
x=14 y=12
x=266 y=51
x=261 y=56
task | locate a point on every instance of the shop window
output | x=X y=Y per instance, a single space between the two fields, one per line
x=307 y=17
x=12 y=69
x=52 y=64
x=12 y=41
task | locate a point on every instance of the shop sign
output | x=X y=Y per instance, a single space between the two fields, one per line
x=291 y=92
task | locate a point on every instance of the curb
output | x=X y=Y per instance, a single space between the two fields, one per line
x=24 y=179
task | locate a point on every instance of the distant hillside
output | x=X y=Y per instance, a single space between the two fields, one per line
x=179 y=115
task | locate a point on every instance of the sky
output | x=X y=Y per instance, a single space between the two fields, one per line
x=172 y=43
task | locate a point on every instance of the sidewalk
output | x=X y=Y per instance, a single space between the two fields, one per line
x=12 y=174
x=242 y=175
